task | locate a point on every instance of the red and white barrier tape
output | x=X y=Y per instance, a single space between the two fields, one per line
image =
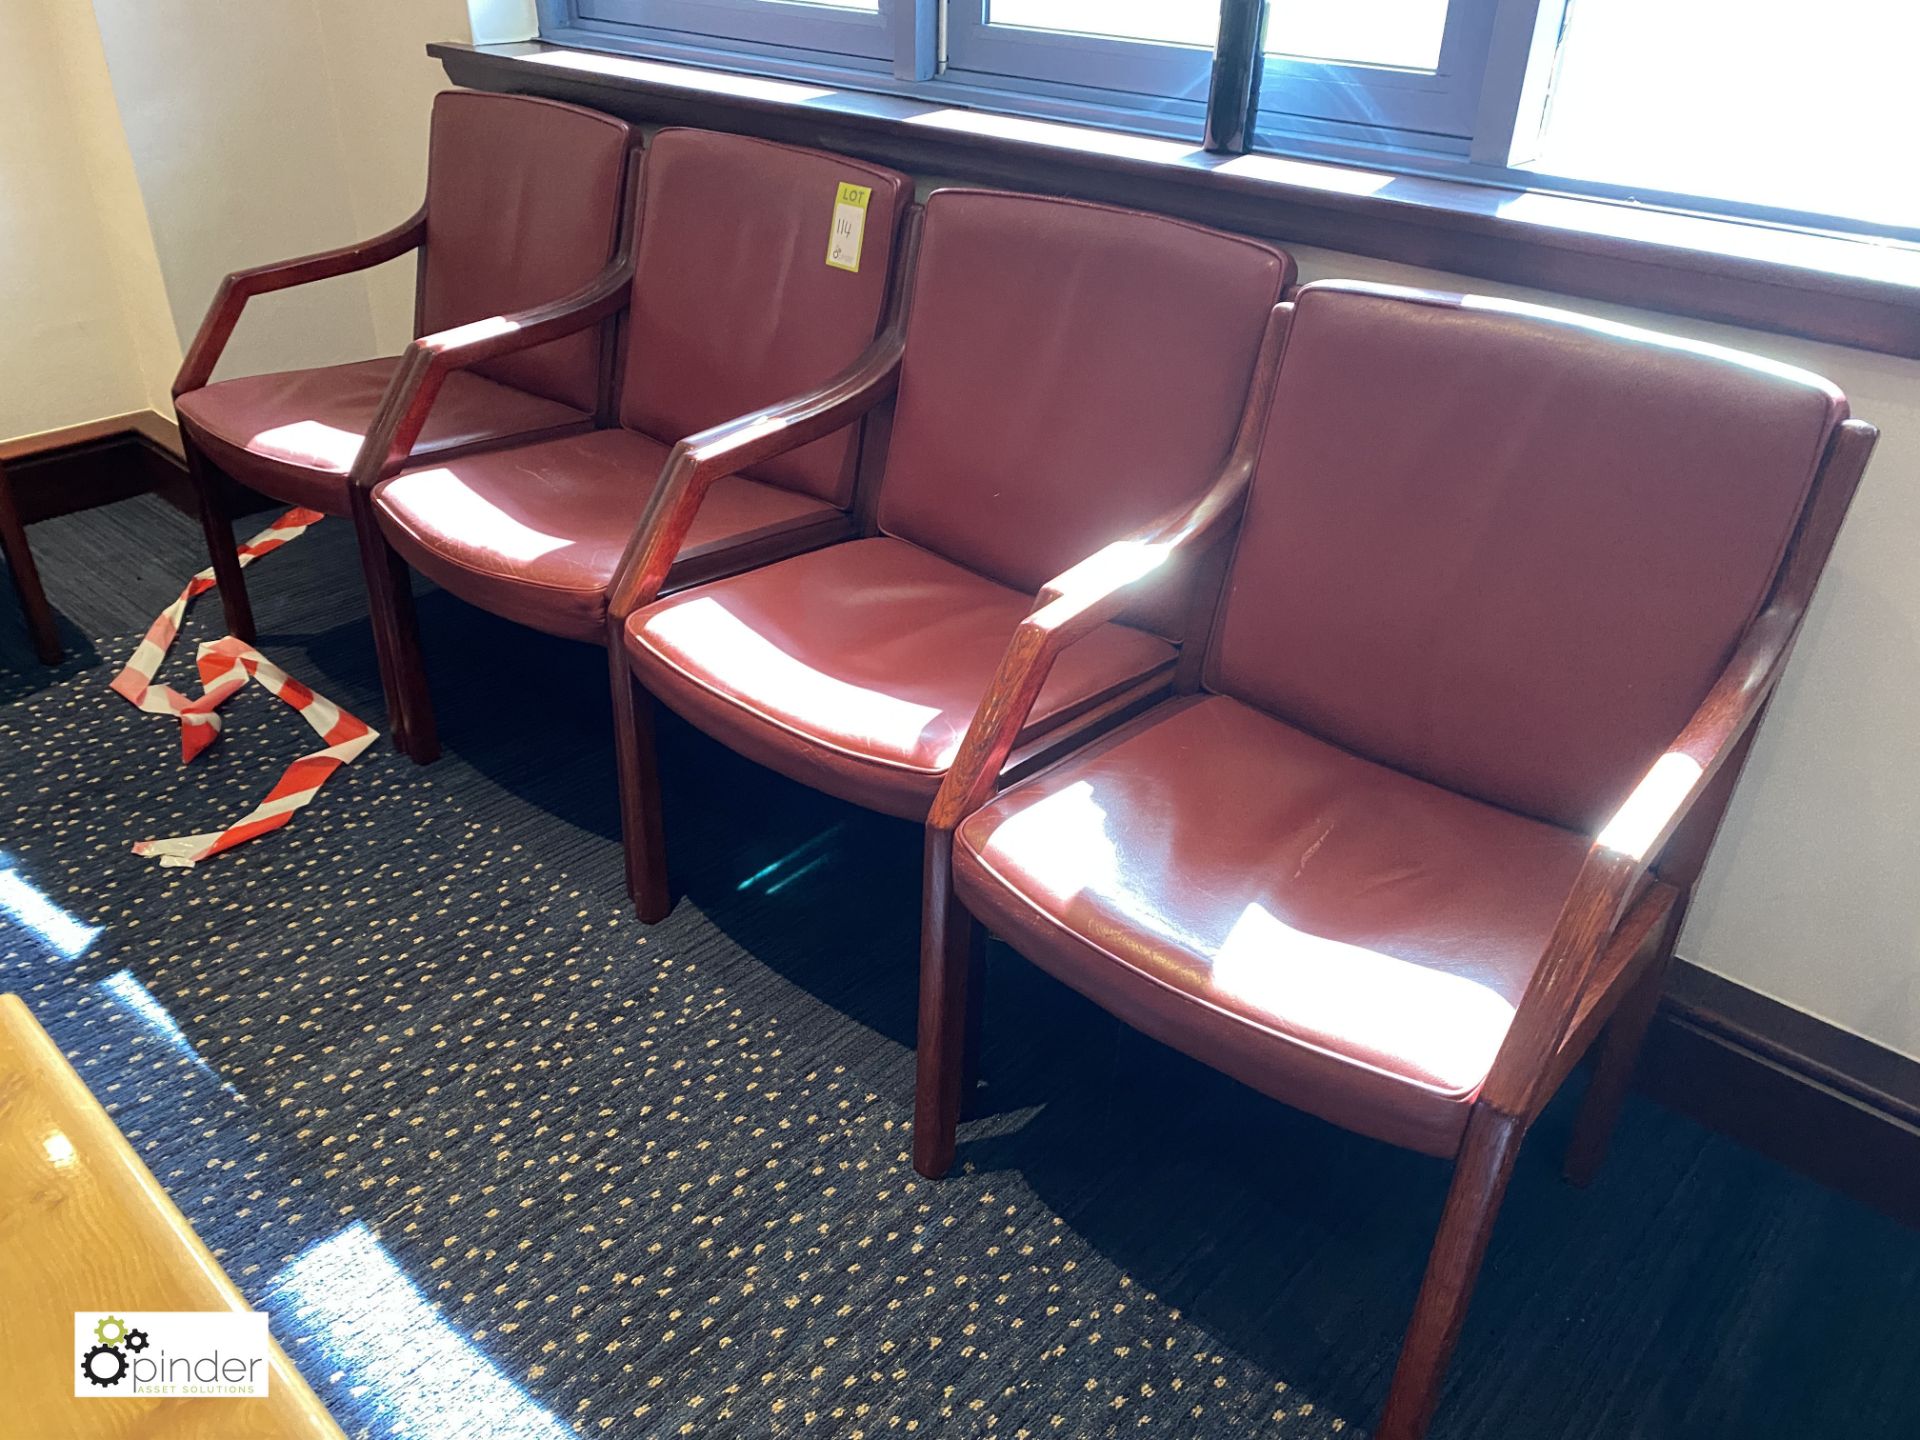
x=199 y=725
x=225 y=665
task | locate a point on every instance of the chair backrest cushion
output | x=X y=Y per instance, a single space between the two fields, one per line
x=734 y=304
x=523 y=208
x=1072 y=372
x=1504 y=548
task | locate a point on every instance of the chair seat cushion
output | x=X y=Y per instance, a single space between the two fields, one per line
x=1346 y=938
x=295 y=435
x=858 y=668
x=535 y=532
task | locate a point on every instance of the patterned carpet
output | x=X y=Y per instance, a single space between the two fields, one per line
x=500 y=1161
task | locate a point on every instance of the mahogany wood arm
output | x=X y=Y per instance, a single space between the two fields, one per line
x=1081 y=599
x=1633 y=838
x=426 y=363
x=734 y=445
x=234 y=292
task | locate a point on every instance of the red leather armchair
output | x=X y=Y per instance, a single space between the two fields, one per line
x=523 y=208
x=730 y=305
x=1065 y=373
x=1510 y=590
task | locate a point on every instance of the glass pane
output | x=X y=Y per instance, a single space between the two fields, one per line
x=1404 y=34
x=1169 y=22
x=1763 y=101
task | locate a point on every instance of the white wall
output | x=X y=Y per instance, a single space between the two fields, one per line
x=274 y=128
x=1812 y=895
x=148 y=147
x=88 y=331
x=230 y=120
x=383 y=87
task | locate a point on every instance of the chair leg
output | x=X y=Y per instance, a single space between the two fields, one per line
x=26 y=579
x=1479 y=1184
x=1617 y=1052
x=641 y=828
x=950 y=955
x=422 y=731
x=396 y=639
x=221 y=546
x=971 y=1080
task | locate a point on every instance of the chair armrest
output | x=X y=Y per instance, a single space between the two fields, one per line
x=234 y=292
x=427 y=361
x=734 y=445
x=1609 y=879
x=1630 y=842
x=1089 y=594
x=699 y=460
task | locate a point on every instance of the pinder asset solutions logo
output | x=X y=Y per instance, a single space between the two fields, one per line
x=203 y=1354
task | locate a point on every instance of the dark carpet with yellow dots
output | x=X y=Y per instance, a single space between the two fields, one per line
x=500 y=1161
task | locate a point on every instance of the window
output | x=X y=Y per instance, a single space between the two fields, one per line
x=1746 y=106
x=1144 y=52
x=1404 y=72
x=1753 y=101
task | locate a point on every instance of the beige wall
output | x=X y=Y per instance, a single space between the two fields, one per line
x=317 y=139
x=383 y=87
x=88 y=331
x=1812 y=895
x=139 y=163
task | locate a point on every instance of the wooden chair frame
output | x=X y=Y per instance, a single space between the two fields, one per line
x=26 y=578
x=210 y=341
x=389 y=441
x=692 y=467
x=424 y=367
x=423 y=370
x=1603 y=968
x=753 y=439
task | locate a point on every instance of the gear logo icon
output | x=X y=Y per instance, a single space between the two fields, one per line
x=110 y=1330
x=104 y=1365
x=136 y=1340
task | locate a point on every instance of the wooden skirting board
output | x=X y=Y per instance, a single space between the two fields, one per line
x=58 y=472
x=77 y=467
x=149 y=425
x=1835 y=1107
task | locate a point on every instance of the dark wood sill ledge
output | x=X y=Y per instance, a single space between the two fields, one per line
x=1847 y=291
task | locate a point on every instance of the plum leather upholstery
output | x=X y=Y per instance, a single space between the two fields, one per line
x=734 y=304
x=1337 y=934
x=1505 y=549
x=857 y=668
x=295 y=435
x=733 y=308
x=1493 y=559
x=523 y=207
x=534 y=533
x=1071 y=372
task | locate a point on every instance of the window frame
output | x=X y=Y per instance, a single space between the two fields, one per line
x=978 y=46
x=1506 y=86
x=1386 y=105
x=770 y=26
